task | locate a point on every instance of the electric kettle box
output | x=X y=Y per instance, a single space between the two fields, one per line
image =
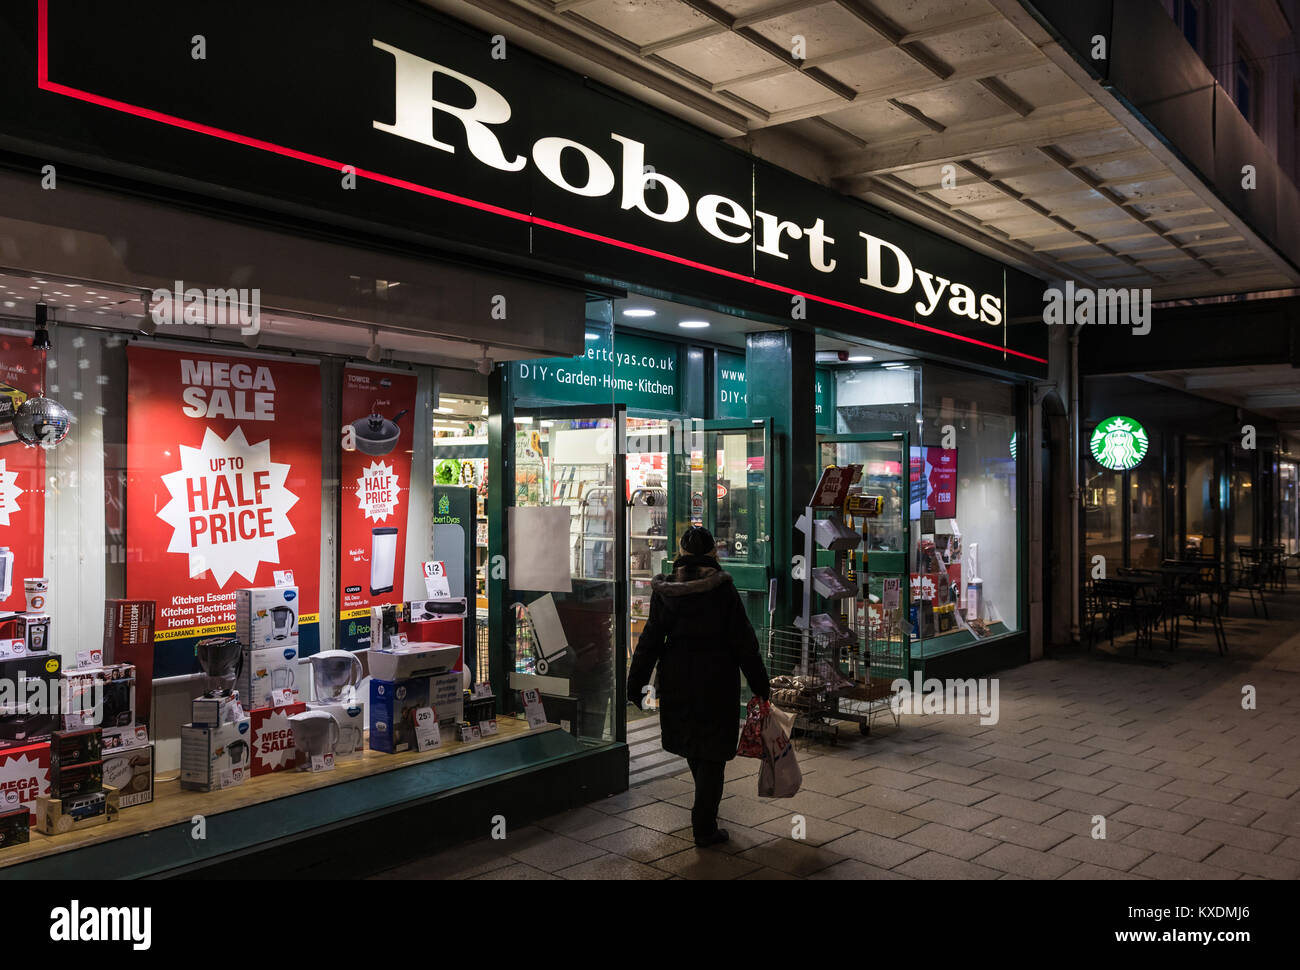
x=130 y=771
x=266 y=670
x=352 y=725
x=25 y=773
x=266 y=616
x=214 y=757
x=273 y=747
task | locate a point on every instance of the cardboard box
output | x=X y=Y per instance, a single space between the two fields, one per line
x=273 y=748
x=67 y=780
x=213 y=758
x=25 y=772
x=15 y=826
x=130 y=771
x=57 y=816
x=393 y=705
x=385 y=623
x=29 y=708
x=215 y=711
x=257 y=611
x=36 y=633
x=75 y=747
x=128 y=639
x=265 y=671
x=112 y=688
x=352 y=726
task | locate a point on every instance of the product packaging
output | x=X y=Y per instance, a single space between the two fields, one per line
x=215 y=711
x=128 y=639
x=213 y=758
x=113 y=687
x=385 y=623
x=274 y=668
x=25 y=771
x=267 y=616
x=67 y=780
x=29 y=708
x=36 y=633
x=75 y=747
x=351 y=719
x=15 y=826
x=393 y=705
x=273 y=748
x=130 y=771
x=56 y=816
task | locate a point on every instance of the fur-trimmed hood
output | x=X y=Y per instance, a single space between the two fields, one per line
x=691 y=574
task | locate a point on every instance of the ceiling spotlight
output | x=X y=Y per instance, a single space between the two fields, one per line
x=374 y=351
x=483 y=364
x=860 y=359
x=638 y=312
x=41 y=337
x=693 y=324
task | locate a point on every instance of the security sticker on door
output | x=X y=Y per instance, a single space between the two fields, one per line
x=435 y=580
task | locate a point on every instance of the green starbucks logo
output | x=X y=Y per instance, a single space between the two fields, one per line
x=1119 y=443
x=444 y=505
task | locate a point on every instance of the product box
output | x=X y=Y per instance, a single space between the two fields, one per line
x=67 y=780
x=25 y=772
x=418 y=611
x=266 y=670
x=75 y=747
x=272 y=733
x=393 y=705
x=36 y=633
x=15 y=826
x=130 y=771
x=215 y=711
x=56 y=816
x=385 y=623
x=113 y=688
x=267 y=616
x=213 y=758
x=351 y=719
x=128 y=639
x=29 y=708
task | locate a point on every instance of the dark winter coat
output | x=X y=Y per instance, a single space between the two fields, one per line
x=701 y=639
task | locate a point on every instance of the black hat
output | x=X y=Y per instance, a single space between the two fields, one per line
x=696 y=541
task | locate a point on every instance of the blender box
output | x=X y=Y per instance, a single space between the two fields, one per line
x=29 y=708
x=214 y=757
x=393 y=705
x=352 y=725
x=266 y=670
x=130 y=771
x=273 y=748
x=25 y=773
x=266 y=616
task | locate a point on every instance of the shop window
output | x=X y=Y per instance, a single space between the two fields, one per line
x=1146 y=516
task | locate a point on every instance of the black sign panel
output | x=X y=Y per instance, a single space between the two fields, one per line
x=388 y=116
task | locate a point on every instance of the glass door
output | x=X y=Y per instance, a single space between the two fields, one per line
x=884 y=613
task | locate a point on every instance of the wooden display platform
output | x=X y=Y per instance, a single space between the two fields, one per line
x=173 y=805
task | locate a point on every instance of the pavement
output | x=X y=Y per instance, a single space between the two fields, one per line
x=1159 y=754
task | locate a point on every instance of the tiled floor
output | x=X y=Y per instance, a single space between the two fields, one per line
x=1188 y=784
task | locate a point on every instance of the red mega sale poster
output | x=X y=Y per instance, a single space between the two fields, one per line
x=224 y=474
x=22 y=476
x=941 y=478
x=375 y=482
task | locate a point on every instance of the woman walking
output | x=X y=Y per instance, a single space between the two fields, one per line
x=700 y=638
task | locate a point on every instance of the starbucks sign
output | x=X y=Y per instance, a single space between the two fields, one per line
x=1118 y=443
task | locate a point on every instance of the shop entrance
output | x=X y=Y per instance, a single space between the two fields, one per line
x=884 y=621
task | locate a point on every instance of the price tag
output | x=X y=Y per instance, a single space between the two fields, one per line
x=88 y=719
x=322 y=762
x=427 y=736
x=487 y=728
x=90 y=658
x=435 y=580
x=9 y=799
x=482 y=689
x=463 y=732
x=533 y=709
x=283 y=577
x=891 y=591
x=283 y=697
x=226 y=779
x=12 y=648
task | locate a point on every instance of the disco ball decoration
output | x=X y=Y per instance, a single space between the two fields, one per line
x=41 y=421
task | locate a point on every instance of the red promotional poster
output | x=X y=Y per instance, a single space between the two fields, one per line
x=22 y=476
x=375 y=473
x=941 y=482
x=224 y=473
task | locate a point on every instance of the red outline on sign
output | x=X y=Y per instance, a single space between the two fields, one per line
x=45 y=84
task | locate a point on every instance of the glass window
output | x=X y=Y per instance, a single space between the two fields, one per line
x=1146 y=516
x=1201 y=501
x=1243 y=500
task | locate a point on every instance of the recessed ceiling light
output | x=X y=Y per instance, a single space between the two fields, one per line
x=592 y=336
x=692 y=324
x=637 y=311
x=860 y=359
x=895 y=366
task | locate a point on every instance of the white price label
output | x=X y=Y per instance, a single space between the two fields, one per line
x=427 y=736
x=283 y=577
x=90 y=658
x=486 y=728
x=533 y=709
x=283 y=696
x=891 y=594
x=435 y=580
x=322 y=762
x=482 y=689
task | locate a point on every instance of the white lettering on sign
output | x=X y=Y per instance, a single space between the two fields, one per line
x=649 y=191
x=378 y=491
x=242 y=392
x=9 y=492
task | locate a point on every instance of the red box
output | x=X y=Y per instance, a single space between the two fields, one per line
x=128 y=639
x=25 y=771
x=272 y=738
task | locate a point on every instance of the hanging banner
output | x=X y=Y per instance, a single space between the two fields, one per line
x=22 y=476
x=941 y=479
x=223 y=490
x=375 y=474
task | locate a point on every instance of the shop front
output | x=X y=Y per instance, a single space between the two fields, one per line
x=437 y=382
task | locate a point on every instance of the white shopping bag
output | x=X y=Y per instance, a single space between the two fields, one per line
x=779 y=775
